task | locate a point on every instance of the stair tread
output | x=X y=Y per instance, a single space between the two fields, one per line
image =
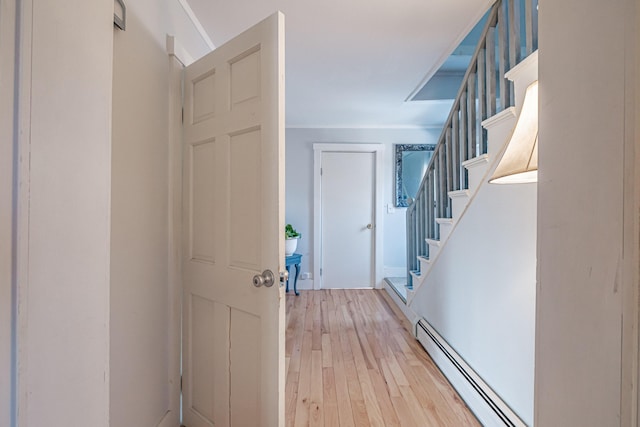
x=433 y=242
x=458 y=193
x=482 y=159
x=506 y=114
x=442 y=221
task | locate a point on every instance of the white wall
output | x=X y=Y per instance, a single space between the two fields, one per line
x=587 y=234
x=66 y=163
x=142 y=361
x=7 y=29
x=299 y=187
x=480 y=293
x=82 y=246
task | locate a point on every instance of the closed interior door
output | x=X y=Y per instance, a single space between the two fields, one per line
x=233 y=222
x=348 y=194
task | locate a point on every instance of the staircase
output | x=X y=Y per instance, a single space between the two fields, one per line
x=457 y=315
x=473 y=136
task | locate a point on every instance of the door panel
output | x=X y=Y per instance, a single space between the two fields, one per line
x=245 y=193
x=233 y=200
x=209 y=383
x=348 y=194
x=203 y=201
x=245 y=366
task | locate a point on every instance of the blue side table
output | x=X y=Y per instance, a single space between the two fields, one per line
x=294 y=260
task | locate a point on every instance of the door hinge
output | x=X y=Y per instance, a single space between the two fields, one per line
x=182 y=118
x=180 y=383
x=321 y=272
x=320 y=171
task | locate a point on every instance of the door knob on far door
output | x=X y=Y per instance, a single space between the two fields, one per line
x=264 y=279
x=369 y=226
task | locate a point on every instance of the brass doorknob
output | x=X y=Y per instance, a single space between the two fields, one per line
x=369 y=226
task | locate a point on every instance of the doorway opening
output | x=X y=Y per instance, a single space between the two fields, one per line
x=347 y=215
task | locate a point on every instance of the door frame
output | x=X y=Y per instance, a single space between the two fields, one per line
x=378 y=212
x=178 y=59
x=8 y=213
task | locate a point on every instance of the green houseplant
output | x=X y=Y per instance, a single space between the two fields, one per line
x=291 y=240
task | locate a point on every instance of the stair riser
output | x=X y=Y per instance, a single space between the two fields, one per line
x=425 y=265
x=458 y=205
x=445 y=230
x=498 y=135
x=476 y=175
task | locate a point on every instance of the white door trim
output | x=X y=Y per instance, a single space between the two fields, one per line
x=378 y=150
x=176 y=67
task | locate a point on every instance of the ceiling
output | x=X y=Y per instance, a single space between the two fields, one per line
x=354 y=63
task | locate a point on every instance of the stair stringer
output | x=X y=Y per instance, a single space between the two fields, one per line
x=499 y=128
x=479 y=293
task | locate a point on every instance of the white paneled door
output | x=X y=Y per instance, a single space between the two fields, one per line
x=233 y=222
x=348 y=219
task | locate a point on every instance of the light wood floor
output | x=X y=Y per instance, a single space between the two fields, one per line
x=351 y=361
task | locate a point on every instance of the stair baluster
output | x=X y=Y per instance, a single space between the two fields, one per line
x=463 y=136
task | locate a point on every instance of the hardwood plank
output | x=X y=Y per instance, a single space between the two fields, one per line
x=327 y=358
x=389 y=379
x=358 y=408
x=351 y=360
x=401 y=408
x=342 y=389
x=424 y=398
x=419 y=416
x=291 y=397
x=316 y=409
x=330 y=399
x=383 y=397
x=304 y=383
x=317 y=323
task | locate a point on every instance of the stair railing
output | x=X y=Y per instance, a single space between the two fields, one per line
x=484 y=92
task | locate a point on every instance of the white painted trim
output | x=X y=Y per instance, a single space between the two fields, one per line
x=174 y=253
x=196 y=23
x=469 y=385
x=25 y=28
x=8 y=216
x=476 y=161
x=177 y=50
x=442 y=221
x=458 y=193
x=378 y=150
x=526 y=66
x=433 y=242
x=630 y=398
x=448 y=51
x=496 y=119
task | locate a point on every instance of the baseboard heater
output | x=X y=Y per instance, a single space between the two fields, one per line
x=486 y=405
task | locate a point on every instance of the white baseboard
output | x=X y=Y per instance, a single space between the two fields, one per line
x=170 y=419
x=486 y=405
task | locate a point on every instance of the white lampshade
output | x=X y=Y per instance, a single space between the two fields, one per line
x=519 y=163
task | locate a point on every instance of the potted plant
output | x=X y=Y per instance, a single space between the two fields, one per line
x=291 y=240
